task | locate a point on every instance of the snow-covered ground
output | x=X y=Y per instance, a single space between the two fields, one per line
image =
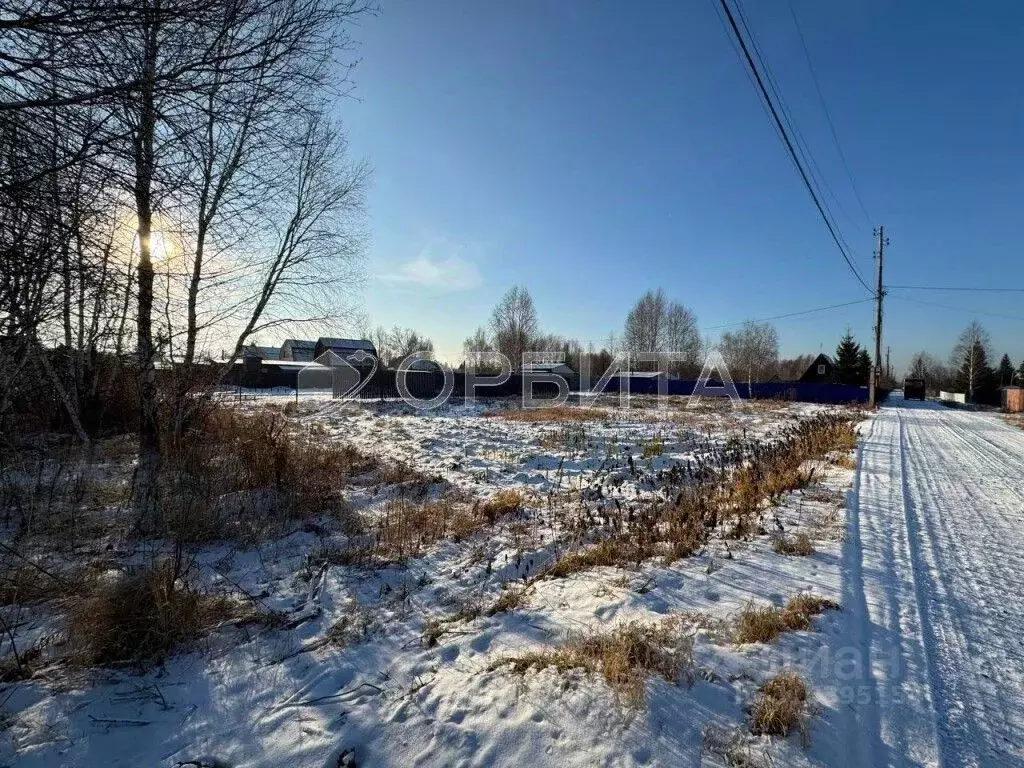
x=378 y=693
x=933 y=581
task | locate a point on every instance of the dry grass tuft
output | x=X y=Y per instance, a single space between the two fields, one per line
x=800 y=545
x=780 y=707
x=845 y=461
x=759 y=624
x=610 y=552
x=405 y=528
x=501 y=504
x=141 y=616
x=801 y=609
x=238 y=475
x=765 y=623
x=436 y=627
x=626 y=656
x=553 y=414
x=509 y=600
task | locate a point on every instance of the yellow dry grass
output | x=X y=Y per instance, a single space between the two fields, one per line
x=625 y=655
x=800 y=545
x=140 y=617
x=780 y=707
x=762 y=624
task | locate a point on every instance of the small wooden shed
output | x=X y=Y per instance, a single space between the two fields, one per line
x=1013 y=399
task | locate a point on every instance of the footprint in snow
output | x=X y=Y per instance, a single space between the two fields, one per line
x=481 y=644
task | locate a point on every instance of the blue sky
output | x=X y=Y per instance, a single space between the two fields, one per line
x=593 y=150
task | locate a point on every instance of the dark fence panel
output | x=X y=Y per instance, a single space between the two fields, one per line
x=801 y=391
x=426 y=385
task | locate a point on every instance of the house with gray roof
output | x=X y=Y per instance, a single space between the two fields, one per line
x=299 y=350
x=358 y=352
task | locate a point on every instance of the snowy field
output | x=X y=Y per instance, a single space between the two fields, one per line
x=406 y=660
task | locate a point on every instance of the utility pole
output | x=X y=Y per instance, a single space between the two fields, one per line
x=888 y=362
x=879 y=295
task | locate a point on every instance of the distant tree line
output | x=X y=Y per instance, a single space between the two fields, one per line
x=969 y=369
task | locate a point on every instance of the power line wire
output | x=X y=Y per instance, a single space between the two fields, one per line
x=789 y=145
x=788 y=314
x=824 y=107
x=954 y=288
x=803 y=146
x=959 y=309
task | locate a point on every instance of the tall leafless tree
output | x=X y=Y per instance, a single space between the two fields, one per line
x=658 y=327
x=751 y=351
x=970 y=360
x=514 y=324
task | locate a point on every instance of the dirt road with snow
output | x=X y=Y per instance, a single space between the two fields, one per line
x=933 y=578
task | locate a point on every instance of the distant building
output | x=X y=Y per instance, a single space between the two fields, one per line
x=263 y=353
x=822 y=370
x=299 y=350
x=423 y=365
x=642 y=382
x=560 y=369
x=1013 y=399
x=357 y=352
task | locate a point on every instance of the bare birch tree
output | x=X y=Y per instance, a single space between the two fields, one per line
x=752 y=351
x=514 y=324
x=970 y=360
x=659 y=327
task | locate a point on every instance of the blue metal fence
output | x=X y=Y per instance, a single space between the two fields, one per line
x=801 y=391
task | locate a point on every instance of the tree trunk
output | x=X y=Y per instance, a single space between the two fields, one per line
x=148 y=518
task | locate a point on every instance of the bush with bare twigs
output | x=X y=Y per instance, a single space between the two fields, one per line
x=141 y=616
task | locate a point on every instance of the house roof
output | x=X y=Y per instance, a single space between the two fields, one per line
x=334 y=343
x=300 y=343
x=821 y=358
x=267 y=353
x=292 y=365
x=544 y=366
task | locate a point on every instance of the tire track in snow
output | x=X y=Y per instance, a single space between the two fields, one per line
x=950 y=585
x=881 y=620
x=944 y=642
x=970 y=567
x=857 y=629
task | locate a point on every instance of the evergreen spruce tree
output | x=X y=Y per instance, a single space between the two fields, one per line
x=1006 y=372
x=863 y=368
x=1020 y=374
x=847 y=362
